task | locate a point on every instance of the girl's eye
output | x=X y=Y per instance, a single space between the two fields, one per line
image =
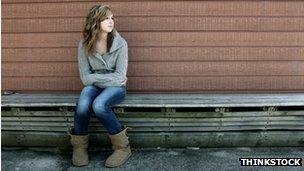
x=110 y=18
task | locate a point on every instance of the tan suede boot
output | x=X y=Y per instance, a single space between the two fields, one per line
x=80 y=149
x=121 y=147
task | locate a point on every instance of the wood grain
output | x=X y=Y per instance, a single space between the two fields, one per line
x=174 y=54
x=165 y=84
x=166 y=23
x=162 y=39
x=155 y=69
x=158 y=8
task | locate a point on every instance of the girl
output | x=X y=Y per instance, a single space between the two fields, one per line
x=103 y=61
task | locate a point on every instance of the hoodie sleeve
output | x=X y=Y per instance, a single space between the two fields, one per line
x=84 y=66
x=120 y=75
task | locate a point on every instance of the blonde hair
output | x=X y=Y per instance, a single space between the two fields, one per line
x=97 y=14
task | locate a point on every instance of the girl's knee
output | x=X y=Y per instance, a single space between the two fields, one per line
x=99 y=107
x=101 y=110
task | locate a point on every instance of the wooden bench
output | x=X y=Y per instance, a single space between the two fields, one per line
x=162 y=120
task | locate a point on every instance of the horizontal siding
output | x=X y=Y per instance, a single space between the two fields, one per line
x=174 y=46
x=162 y=39
x=160 y=84
x=163 y=54
x=158 y=8
x=170 y=23
x=234 y=68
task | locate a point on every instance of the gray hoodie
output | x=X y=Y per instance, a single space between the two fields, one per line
x=103 y=70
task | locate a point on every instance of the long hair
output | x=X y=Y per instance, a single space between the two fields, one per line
x=92 y=28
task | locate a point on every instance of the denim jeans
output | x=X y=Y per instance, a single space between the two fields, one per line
x=99 y=101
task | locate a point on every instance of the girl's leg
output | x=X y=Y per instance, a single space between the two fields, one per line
x=102 y=107
x=82 y=113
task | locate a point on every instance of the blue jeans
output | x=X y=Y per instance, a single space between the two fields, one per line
x=100 y=100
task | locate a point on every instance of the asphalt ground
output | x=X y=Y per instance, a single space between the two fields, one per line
x=158 y=159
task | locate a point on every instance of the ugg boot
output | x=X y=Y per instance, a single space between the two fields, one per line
x=121 y=147
x=80 y=149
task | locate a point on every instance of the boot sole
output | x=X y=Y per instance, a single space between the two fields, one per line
x=80 y=164
x=119 y=163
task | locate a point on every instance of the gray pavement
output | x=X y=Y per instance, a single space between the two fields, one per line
x=150 y=159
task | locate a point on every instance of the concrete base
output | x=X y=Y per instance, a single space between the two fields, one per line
x=151 y=159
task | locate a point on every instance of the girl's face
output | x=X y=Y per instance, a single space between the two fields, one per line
x=107 y=25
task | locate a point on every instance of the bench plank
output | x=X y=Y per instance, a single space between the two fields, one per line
x=160 y=122
x=152 y=115
x=162 y=100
